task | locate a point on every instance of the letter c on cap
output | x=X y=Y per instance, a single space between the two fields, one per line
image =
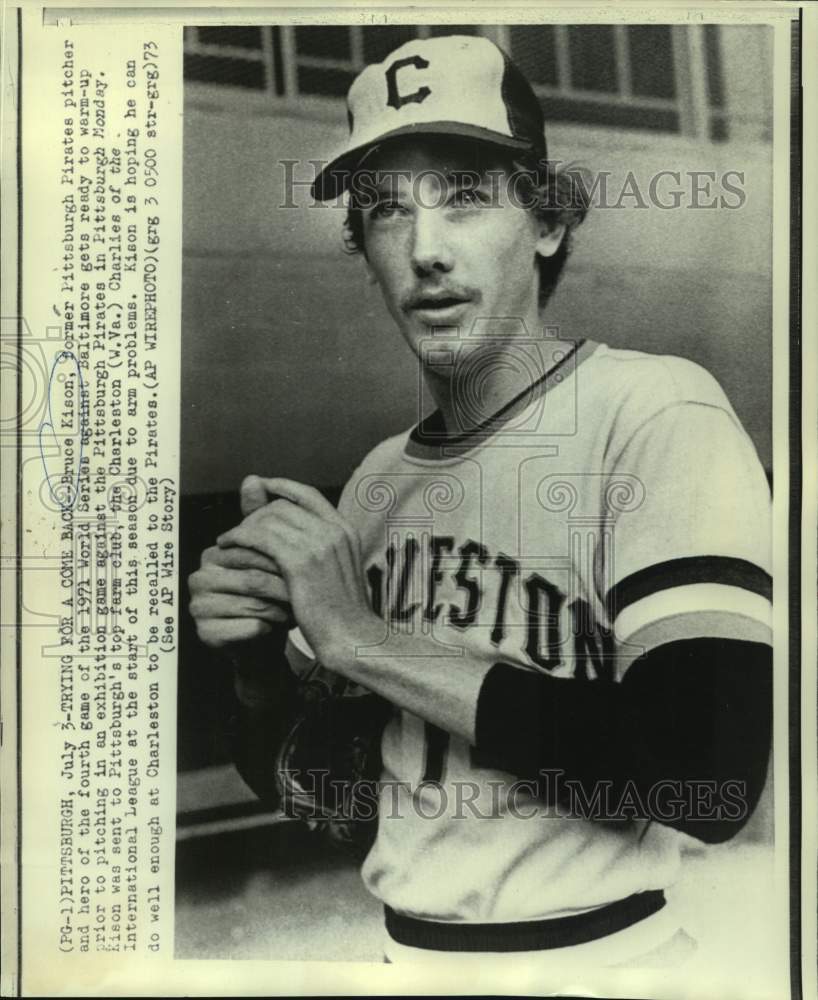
x=394 y=99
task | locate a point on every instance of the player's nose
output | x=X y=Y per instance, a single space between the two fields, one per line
x=431 y=248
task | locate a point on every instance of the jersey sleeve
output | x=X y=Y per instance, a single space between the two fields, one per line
x=690 y=557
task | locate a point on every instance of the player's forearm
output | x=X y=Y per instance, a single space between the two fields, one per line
x=691 y=712
x=412 y=672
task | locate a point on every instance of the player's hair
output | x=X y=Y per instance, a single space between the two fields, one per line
x=556 y=196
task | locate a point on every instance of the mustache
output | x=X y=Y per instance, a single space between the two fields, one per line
x=437 y=294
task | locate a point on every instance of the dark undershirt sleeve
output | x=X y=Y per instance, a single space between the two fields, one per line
x=266 y=693
x=693 y=711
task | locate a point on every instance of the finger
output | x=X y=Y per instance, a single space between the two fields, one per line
x=264 y=534
x=292 y=514
x=305 y=496
x=254 y=583
x=206 y=606
x=252 y=494
x=238 y=558
x=279 y=514
x=219 y=632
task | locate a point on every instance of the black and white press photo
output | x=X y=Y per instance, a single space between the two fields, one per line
x=407 y=412
x=476 y=526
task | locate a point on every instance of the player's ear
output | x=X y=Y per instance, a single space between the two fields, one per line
x=549 y=238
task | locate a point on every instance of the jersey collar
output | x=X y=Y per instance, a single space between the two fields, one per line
x=429 y=439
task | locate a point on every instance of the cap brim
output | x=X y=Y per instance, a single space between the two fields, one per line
x=334 y=178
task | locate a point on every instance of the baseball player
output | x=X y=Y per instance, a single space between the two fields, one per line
x=559 y=579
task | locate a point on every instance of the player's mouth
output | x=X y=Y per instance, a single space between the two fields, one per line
x=438 y=307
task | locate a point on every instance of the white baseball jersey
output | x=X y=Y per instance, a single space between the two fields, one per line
x=616 y=506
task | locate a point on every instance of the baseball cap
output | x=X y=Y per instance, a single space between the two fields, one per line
x=458 y=85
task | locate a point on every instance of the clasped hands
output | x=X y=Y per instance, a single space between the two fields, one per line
x=292 y=557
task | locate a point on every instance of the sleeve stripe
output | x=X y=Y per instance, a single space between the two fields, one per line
x=681 y=572
x=700 y=599
x=697 y=625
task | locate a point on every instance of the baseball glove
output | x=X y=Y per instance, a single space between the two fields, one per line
x=329 y=763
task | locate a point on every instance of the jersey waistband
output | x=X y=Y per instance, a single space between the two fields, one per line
x=527 y=935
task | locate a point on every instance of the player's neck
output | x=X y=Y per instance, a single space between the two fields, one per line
x=489 y=374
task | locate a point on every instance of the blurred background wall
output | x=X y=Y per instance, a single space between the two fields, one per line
x=291 y=365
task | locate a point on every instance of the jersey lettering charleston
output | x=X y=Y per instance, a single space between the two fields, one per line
x=615 y=506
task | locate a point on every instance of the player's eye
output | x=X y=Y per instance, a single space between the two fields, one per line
x=468 y=198
x=387 y=208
